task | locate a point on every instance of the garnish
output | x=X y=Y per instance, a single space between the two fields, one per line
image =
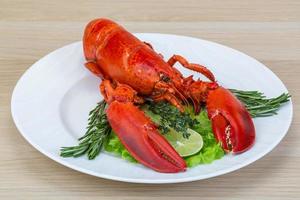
x=170 y=117
x=259 y=105
x=185 y=147
x=97 y=134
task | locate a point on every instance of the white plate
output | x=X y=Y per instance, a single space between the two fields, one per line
x=51 y=101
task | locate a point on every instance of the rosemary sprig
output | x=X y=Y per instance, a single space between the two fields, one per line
x=259 y=105
x=98 y=131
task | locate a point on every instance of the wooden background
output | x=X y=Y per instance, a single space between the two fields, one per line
x=267 y=30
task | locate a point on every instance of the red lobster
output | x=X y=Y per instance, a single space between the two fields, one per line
x=131 y=71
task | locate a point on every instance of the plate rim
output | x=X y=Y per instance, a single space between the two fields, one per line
x=147 y=181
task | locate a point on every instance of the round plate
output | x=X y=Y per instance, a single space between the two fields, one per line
x=51 y=101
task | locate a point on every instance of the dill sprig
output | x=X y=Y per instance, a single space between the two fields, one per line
x=258 y=104
x=97 y=133
x=171 y=117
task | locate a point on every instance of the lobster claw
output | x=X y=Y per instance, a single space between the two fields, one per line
x=231 y=122
x=141 y=138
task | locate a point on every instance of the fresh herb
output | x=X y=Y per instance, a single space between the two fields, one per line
x=171 y=117
x=97 y=134
x=259 y=105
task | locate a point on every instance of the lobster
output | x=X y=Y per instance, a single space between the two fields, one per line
x=131 y=71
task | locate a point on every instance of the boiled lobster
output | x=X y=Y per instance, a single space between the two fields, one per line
x=132 y=71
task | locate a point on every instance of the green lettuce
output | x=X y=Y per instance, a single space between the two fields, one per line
x=115 y=146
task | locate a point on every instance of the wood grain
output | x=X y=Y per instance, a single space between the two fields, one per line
x=267 y=30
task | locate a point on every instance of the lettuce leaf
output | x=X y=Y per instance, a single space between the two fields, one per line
x=115 y=146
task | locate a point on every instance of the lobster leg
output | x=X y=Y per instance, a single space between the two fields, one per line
x=137 y=132
x=119 y=92
x=195 y=67
x=164 y=91
x=197 y=91
x=170 y=98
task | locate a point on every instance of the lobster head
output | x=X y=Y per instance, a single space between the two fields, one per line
x=231 y=122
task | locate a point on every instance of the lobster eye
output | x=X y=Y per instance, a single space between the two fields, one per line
x=164 y=77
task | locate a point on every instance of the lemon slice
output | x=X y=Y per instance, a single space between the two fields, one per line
x=185 y=147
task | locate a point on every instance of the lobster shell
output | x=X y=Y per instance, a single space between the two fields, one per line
x=132 y=71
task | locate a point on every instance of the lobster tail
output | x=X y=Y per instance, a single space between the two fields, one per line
x=95 y=35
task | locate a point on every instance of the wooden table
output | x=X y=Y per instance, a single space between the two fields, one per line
x=267 y=30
